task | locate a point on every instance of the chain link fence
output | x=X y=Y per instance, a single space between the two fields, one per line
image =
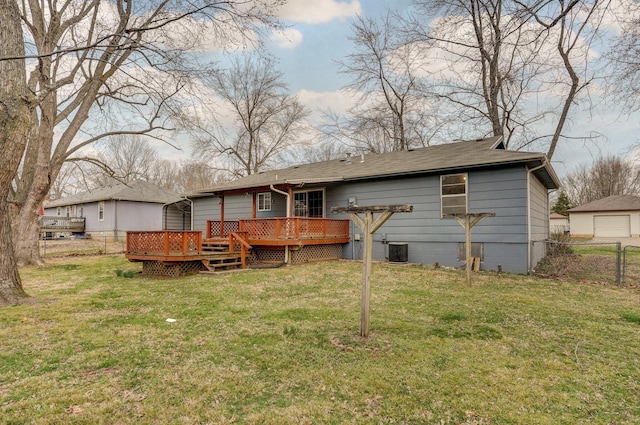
x=71 y=246
x=595 y=262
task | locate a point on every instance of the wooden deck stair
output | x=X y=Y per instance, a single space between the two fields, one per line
x=215 y=246
x=222 y=256
x=223 y=261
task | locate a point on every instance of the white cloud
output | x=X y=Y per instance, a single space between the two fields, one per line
x=319 y=11
x=336 y=101
x=287 y=39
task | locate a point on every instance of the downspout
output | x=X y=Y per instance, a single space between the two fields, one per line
x=286 y=247
x=529 y=241
x=115 y=231
x=190 y=213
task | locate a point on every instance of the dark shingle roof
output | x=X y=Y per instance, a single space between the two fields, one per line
x=135 y=191
x=611 y=203
x=451 y=156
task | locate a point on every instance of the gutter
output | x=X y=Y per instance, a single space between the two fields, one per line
x=286 y=247
x=529 y=242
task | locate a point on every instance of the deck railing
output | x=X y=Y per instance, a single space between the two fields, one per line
x=286 y=228
x=165 y=242
x=54 y=223
x=221 y=229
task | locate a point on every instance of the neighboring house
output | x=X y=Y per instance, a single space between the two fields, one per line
x=616 y=216
x=113 y=210
x=558 y=223
x=462 y=177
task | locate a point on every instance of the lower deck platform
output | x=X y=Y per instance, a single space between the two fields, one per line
x=180 y=253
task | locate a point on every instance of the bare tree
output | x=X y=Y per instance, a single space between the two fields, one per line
x=493 y=60
x=195 y=175
x=97 y=69
x=265 y=120
x=624 y=58
x=70 y=181
x=391 y=112
x=607 y=176
x=125 y=159
x=14 y=121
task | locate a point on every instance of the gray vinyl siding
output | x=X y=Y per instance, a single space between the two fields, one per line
x=539 y=215
x=203 y=209
x=235 y=207
x=175 y=218
x=433 y=239
x=278 y=207
x=138 y=216
x=130 y=216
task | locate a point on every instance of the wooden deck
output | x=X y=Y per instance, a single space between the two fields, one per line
x=282 y=231
x=164 y=245
x=53 y=223
x=228 y=244
x=175 y=253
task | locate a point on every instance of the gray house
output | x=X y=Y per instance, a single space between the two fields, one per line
x=462 y=177
x=113 y=210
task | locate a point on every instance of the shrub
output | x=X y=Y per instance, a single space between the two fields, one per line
x=559 y=244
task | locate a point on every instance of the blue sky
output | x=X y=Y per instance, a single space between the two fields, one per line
x=317 y=35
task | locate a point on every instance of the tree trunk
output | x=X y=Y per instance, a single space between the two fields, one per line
x=14 y=126
x=11 y=291
x=26 y=236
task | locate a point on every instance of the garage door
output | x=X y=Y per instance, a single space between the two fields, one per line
x=612 y=226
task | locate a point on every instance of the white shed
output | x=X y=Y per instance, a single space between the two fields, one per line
x=558 y=223
x=616 y=216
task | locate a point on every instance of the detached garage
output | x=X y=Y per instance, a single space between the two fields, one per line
x=615 y=216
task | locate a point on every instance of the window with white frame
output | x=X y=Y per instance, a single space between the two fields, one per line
x=453 y=194
x=59 y=211
x=101 y=211
x=264 y=201
x=309 y=203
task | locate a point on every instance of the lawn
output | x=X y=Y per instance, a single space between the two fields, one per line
x=280 y=346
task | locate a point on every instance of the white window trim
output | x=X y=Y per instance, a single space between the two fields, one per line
x=265 y=205
x=466 y=192
x=59 y=211
x=324 y=199
x=100 y=210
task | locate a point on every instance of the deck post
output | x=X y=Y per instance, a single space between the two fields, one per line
x=184 y=243
x=369 y=226
x=467 y=221
x=254 y=202
x=222 y=216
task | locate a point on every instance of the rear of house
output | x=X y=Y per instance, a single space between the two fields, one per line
x=464 y=177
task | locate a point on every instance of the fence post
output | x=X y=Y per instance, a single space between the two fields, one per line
x=624 y=265
x=618 y=246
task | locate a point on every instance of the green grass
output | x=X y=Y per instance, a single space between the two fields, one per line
x=281 y=346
